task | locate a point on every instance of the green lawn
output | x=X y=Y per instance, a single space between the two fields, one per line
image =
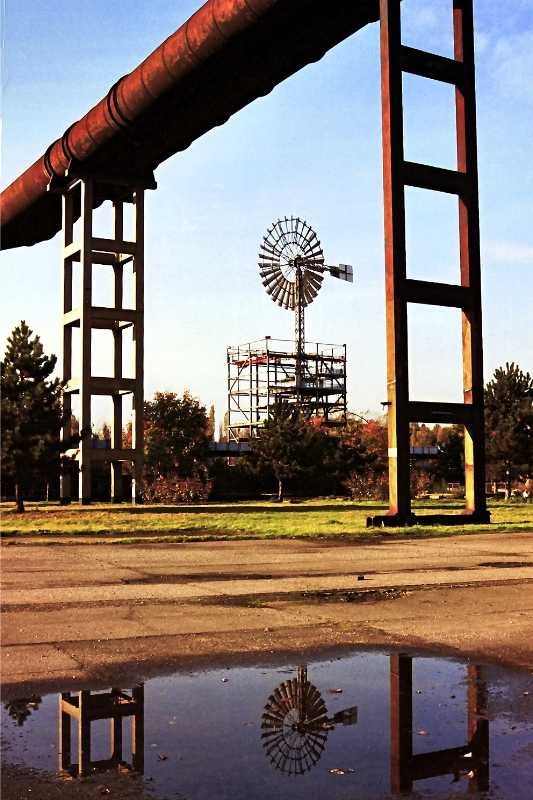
x=323 y=517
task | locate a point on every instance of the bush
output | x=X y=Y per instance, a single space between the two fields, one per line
x=371 y=484
x=175 y=489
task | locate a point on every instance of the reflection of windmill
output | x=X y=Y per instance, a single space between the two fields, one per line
x=291 y=264
x=295 y=725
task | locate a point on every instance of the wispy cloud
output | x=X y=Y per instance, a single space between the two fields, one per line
x=512 y=63
x=508 y=253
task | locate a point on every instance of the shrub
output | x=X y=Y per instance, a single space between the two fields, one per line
x=175 y=489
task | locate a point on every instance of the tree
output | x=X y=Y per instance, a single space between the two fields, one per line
x=211 y=423
x=450 y=463
x=31 y=411
x=370 y=478
x=509 y=420
x=176 y=436
x=20 y=709
x=284 y=446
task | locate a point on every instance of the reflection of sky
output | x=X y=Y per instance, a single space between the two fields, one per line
x=311 y=148
x=209 y=730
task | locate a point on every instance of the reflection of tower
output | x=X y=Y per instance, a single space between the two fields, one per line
x=471 y=760
x=295 y=725
x=114 y=705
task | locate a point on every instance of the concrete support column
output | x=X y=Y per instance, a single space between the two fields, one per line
x=85 y=483
x=79 y=197
x=138 y=349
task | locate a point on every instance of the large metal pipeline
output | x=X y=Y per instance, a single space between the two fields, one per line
x=226 y=55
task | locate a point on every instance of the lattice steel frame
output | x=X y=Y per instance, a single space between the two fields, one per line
x=262 y=372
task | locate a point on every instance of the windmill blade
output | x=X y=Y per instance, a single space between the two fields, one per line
x=268 y=273
x=277 y=290
x=343 y=272
x=273 y=286
x=314 y=280
x=283 y=300
x=309 y=292
x=271 y=280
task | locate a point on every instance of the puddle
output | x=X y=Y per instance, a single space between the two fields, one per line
x=367 y=725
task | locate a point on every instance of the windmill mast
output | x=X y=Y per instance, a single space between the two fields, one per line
x=299 y=324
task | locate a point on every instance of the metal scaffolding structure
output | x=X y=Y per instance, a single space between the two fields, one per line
x=267 y=371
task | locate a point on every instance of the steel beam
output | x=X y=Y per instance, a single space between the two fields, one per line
x=395 y=260
x=400 y=290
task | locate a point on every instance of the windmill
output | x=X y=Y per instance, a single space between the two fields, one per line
x=292 y=268
x=295 y=725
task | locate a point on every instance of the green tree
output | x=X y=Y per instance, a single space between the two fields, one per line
x=211 y=423
x=450 y=463
x=176 y=436
x=287 y=446
x=31 y=411
x=509 y=420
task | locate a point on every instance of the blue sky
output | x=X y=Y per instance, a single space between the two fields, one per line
x=311 y=148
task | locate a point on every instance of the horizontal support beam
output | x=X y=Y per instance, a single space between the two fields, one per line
x=110 y=386
x=437 y=294
x=101 y=385
x=448 y=413
x=72 y=250
x=440 y=762
x=114 y=314
x=103 y=454
x=430 y=65
x=72 y=386
x=437 y=179
x=113 y=246
x=104 y=317
x=110 y=454
x=72 y=318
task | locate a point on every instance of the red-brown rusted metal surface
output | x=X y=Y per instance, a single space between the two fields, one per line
x=226 y=55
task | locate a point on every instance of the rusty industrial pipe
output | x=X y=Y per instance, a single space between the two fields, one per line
x=30 y=212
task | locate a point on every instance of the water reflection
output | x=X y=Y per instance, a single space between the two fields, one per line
x=85 y=707
x=406 y=726
x=295 y=725
x=470 y=760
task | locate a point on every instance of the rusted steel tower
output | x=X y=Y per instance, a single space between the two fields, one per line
x=186 y=87
x=401 y=290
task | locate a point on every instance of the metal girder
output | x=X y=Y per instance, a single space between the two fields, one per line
x=400 y=290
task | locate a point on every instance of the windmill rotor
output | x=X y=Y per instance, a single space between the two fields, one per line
x=291 y=248
x=295 y=725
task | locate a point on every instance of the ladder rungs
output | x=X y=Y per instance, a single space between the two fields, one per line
x=437 y=294
x=436 y=179
x=430 y=65
x=447 y=413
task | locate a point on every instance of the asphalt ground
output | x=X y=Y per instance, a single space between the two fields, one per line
x=77 y=614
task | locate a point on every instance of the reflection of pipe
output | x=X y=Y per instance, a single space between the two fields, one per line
x=225 y=56
x=471 y=759
x=85 y=707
